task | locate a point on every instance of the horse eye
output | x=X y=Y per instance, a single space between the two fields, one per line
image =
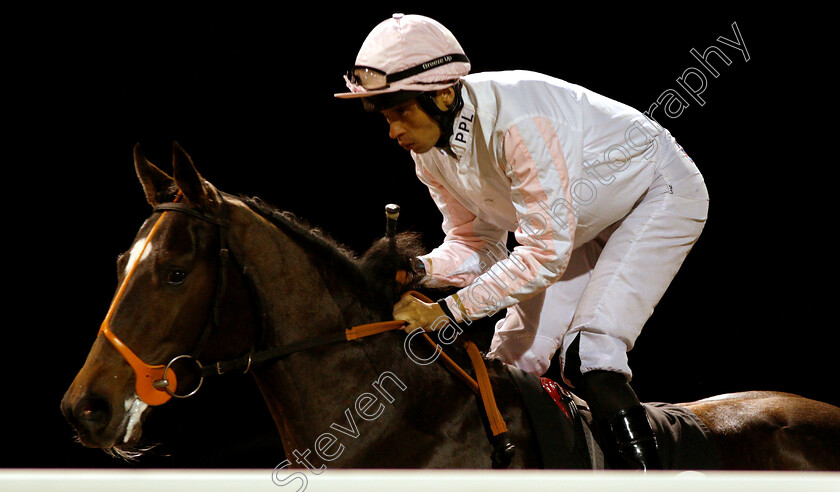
x=176 y=277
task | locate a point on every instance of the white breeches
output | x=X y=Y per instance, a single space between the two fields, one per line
x=612 y=283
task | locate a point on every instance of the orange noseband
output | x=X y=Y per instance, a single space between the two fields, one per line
x=145 y=375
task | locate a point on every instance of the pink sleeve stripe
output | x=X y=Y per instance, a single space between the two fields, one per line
x=537 y=261
x=548 y=133
x=460 y=244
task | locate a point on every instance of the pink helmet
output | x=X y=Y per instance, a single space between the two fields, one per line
x=406 y=53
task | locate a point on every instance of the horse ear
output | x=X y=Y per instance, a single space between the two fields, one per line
x=158 y=186
x=187 y=178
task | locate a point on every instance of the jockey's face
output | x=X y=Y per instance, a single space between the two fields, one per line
x=412 y=127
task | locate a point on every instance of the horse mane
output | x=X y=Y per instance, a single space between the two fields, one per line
x=371 y=278
x=299 y=228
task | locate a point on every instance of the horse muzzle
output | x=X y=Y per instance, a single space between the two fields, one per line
x=101 y=422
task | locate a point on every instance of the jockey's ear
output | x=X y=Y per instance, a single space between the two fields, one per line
x=158 y=186
x=444 y=98
x=191 y=184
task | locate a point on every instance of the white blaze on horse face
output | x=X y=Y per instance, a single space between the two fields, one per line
x=134 y=408
x=137 y=254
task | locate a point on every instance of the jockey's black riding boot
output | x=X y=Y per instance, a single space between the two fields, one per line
x=621 y=420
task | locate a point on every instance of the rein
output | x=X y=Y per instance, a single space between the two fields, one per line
x=480 y=385
x=155 y=385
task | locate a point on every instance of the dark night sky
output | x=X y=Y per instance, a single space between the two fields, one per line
x=249 y=95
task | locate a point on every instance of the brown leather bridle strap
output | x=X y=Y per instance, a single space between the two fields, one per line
x=369 y=329
x=480 y=385
x=503 y=449
x=485 y=390
x=457 y=370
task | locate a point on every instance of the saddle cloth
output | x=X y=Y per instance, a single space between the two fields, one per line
x=566 y=438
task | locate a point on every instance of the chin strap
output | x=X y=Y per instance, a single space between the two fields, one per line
x=444 y=119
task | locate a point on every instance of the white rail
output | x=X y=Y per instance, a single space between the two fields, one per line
x=60 y=480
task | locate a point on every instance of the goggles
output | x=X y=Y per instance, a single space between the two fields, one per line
x=374 y=79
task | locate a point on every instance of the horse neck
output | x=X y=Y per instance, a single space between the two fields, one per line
x=309 y=390
x=296 y=299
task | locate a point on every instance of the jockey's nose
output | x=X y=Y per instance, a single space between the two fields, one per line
x=395 y=130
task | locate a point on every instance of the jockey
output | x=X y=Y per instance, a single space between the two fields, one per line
x=603 y=204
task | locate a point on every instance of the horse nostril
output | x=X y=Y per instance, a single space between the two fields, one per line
x=92 y=412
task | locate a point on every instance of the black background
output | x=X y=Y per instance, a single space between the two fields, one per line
x=247 y=91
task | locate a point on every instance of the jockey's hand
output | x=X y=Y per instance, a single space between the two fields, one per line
x=417 y=314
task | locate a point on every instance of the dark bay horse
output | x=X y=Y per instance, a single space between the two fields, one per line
x=217 y=277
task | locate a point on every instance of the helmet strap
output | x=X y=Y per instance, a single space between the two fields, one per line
x=444 y=118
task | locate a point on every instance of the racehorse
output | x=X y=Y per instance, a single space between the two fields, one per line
x=216 y=277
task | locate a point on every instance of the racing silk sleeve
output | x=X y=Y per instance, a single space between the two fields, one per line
x=467 y=243
x=535 y=164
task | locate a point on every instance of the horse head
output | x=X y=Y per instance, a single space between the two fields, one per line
x=213 y=277
x=172 y=281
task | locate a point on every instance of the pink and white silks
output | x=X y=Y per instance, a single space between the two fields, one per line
x=603 y=204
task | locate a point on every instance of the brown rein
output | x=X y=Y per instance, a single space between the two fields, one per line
x=480 y=385
x=155 y=388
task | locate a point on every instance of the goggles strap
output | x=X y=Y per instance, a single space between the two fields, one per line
x=387 y=79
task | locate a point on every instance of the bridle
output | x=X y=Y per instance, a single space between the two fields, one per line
x=156 y=384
